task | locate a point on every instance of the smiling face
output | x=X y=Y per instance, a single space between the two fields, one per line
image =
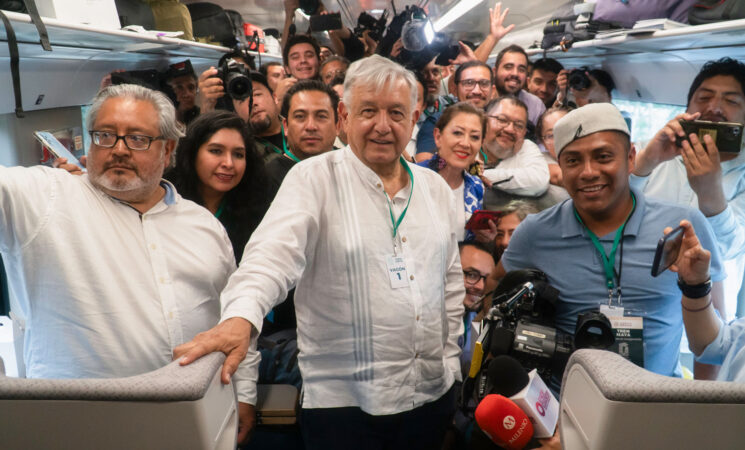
x=506 y=127
x=511 y=74
x=469 y=87
x=542 y=84
x=302 y=61
x=596 y=171
x=459 y=142
x=129 y=175
x=310 y=126
x=379 y=123
x=475 y=260
x=221 y=161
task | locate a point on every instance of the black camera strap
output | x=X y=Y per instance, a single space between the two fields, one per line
x=14 y=60
x=612 y=276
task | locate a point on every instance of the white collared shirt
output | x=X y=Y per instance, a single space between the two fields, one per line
x=526 y=171
x=362 y=343
x=103 y=290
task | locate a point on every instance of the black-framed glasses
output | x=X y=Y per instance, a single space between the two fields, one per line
x=503 y=121
x=470 y=84
x=473 y=276
x=137 y=142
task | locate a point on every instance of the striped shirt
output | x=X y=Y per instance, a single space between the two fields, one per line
x=362 y=343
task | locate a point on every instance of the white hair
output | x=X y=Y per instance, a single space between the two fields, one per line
x=376 y=72
x=169 y=127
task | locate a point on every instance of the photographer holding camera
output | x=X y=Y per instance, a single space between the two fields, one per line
x=606 y=236
x=583 y=86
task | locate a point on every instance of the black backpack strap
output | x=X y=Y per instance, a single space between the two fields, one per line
x=33 y=12
x=14 y=68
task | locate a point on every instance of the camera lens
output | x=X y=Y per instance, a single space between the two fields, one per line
x=238 y=85
x=578 y=80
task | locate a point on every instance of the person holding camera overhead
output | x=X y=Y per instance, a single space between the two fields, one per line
x=697 y=173
x=606 y=236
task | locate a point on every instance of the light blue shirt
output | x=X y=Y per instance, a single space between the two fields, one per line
x=728 y=349
x=554 y=242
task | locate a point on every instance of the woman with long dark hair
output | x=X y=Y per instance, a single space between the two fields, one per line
x=217 y=167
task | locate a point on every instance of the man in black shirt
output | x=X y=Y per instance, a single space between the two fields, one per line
x=310 y=114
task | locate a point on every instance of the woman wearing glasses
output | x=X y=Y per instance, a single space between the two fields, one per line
x=217 y=167
x=458 y=135
x=545 y=133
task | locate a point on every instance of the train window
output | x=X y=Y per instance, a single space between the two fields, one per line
x=647 y=118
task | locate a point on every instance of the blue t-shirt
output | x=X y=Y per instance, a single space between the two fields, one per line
x=554 y=242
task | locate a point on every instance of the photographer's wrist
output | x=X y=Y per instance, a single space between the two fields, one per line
x=695 y=287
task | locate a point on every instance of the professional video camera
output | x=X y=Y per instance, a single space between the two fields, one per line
x=521 y=324
x=235 y=79
x=376 y=27
x=421 y=42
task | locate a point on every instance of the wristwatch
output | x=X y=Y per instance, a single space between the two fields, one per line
x=696 y=290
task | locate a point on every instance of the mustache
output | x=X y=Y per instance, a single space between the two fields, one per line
x=117 y=161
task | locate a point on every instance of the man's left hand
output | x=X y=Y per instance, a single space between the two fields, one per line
x=487 y=236
x=704 y=171
x=246 y=422
x=230 y=337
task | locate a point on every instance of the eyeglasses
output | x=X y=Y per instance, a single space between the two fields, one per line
x=548 y=137
x=137 y=142
x=470 y=84
x=504 y=122
x=473 y=277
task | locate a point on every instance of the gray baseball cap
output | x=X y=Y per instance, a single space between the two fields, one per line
x=587 y=120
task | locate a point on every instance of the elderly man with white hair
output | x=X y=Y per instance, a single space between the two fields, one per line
x=369 y=241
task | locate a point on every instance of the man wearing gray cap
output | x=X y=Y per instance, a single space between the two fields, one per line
x=606 y=236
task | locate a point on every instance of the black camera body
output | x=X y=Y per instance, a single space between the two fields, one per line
x=235 y=78
x=367 y=22
x=578 y=79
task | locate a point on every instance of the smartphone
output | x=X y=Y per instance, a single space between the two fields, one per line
x=726 y=135
x=480 y=219
x=668 y=248
x=56 y=148
x=324 y=22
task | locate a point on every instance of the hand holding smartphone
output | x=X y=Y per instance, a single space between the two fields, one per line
x=480 y=219
x=726 y=135
x=56 y=148
x=668 y=249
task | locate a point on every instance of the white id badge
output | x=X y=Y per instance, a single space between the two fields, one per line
x=396 y=266
x=611 y=311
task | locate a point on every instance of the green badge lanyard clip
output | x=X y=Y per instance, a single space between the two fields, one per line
x=612 y=278
x=274 y=147
x=286 y=151
x=395 y=222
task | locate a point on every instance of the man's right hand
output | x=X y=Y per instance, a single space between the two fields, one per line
x=209 y=90
x=662 y=146
x=290 y=7
x=230 y=337
x=282 y=87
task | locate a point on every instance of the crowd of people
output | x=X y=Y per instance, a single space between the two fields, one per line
x=332 y=205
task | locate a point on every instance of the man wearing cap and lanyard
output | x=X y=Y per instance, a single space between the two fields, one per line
x=369 y=241
x=606 y=236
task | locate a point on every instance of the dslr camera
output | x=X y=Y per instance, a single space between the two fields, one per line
x=578 y=79
x=235 y=79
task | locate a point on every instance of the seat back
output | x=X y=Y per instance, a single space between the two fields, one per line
x=172 y=407
x=610 y=403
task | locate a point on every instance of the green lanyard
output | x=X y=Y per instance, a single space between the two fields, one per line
x=286 y=151
x=274 y=147
x=395 y=222
x=486 y=158
x=609 y=261
x=220 y=209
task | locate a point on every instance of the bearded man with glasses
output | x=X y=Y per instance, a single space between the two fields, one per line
x=111 y=270
x=514 y=163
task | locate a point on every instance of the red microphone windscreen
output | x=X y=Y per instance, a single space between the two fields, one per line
x=504 y=422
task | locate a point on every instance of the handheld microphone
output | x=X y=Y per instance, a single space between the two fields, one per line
x=504 y=422
x=507 y=377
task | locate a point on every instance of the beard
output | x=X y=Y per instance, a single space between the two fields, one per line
x=260 y=123
x=132 y=189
